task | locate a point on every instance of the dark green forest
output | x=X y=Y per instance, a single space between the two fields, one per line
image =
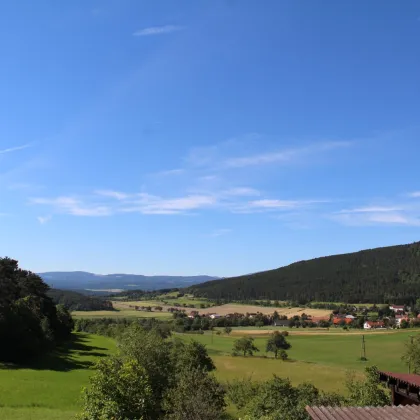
x=380 y=275
x=30 y=323
x=74 y=301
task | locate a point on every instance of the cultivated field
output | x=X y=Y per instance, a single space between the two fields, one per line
x=123 y=310
x=243 y=309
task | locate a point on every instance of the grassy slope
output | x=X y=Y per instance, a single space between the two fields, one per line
x=51 y=389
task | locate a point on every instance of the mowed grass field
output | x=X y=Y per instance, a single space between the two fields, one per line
x=51 y=389
x=322 y=359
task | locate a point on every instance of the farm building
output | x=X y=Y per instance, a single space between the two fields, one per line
x=281 y=323
x=368 y=325
x=339 y=320
x=364 y=413
x=397 y=308
x=405 y=387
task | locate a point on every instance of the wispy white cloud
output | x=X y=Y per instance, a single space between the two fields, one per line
x=274 y=204
x=372 y=209
x=109 y=202
x=14 y=149
x=73 y=206
x=112 y=194
x=377 y=219
x=242 y=191
x=220 y=232
x=44 y=219
x=157 y=30
x=415 y=194
x=287 y=155
x=170 y=172
x=158 y=205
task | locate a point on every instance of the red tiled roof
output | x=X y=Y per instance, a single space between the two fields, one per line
x=340 y=320
x=408 y=378
x=401 y=412
x=375 y=323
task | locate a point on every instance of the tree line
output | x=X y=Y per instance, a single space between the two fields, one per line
x=380 y=275
x=75 y=301
x=30 y=323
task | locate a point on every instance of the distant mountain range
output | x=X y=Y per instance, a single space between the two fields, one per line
x=80 y=280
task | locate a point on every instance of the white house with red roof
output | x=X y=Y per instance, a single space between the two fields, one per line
x=368 y=325
x=397 y=308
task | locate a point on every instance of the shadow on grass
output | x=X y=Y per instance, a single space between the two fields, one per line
x=65 y=358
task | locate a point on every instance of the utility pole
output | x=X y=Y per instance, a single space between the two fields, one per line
x=363 y=353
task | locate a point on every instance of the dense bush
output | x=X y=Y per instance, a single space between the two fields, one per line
x=30 y=323
x=154 y=378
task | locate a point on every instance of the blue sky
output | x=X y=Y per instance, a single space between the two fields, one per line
x=206 y=137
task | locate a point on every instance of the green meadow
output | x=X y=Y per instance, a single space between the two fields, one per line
x=322 y=359
x=51 y=389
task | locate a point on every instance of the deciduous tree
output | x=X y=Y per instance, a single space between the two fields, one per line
x=277 y=342
x=245 y=345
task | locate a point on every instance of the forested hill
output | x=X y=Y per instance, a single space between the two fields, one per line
x=74 y=301
x=379 y=275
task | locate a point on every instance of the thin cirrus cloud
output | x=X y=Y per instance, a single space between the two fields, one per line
x=402 y=214
x=283 y=156
x=158 y=30
x=73 y=206
x=44 y=219
x=109 y=202
x=14 y=149
x=377 y=219
x=220 y=232
x=415 y=194
x=372 y=209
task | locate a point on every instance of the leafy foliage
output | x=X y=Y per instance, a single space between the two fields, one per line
x=195 y=396
x=411 y=354
x=174 y=381
x=278 y=342
x=382 y=275
x=277 y=399
x=118 y=390
x=245 y=346
x=367 y=392
x=29 y=321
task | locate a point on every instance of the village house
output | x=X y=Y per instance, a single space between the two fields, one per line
x=337 y=320
x=368 y=325
x=398 y=309
x=193 y=314
x=281 y=323
x=400 y=318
